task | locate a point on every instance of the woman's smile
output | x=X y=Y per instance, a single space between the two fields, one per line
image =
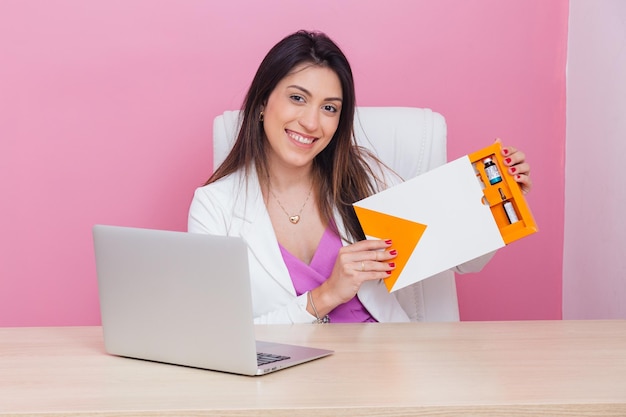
x=300 y=138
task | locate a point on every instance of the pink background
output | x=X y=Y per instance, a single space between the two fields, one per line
x=106 y=109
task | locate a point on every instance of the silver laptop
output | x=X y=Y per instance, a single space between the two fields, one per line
x=184 y=299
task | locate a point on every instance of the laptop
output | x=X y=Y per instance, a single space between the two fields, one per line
x=185 y=299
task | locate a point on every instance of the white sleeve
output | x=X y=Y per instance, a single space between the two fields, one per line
x=207 y=215
x=291 y=313
x=475 y=265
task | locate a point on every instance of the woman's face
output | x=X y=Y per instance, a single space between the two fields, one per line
x=301 y=115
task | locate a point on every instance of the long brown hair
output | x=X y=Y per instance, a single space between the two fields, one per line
x=341 y=174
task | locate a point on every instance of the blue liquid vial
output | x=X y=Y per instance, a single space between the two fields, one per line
x=493 y=175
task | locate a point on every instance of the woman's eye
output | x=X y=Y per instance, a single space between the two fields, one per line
x=330 y=108
x=297 y=98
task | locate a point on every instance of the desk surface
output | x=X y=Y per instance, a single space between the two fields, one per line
x=572 y=368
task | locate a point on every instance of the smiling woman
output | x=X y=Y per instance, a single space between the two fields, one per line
x=287 y=189
x=301 y=116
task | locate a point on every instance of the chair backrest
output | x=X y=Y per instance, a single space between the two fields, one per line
x=409 y=140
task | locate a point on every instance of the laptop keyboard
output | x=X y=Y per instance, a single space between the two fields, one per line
x=265 y=358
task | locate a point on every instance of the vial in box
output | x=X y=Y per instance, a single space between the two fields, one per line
x=492 y=171
x=510 y=212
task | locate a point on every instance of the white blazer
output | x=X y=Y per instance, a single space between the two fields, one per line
x=233 y=206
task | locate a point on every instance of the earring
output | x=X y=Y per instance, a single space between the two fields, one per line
x=261 y=117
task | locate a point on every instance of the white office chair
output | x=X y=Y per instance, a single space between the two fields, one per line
x=409 y=140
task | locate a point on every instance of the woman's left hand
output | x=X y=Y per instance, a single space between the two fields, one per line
x=515 y=160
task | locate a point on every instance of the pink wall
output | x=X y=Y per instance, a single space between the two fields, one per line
x=106 y=109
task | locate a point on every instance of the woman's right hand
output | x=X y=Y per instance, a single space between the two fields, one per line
x=362 y=261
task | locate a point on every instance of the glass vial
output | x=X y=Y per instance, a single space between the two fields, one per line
x=510 y=212
x=492 y=171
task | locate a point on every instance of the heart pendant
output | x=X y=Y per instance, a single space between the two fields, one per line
x=294 y=219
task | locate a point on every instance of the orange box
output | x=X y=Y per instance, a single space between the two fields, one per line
x=503 y=195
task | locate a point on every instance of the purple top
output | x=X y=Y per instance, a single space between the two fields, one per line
x=306 y=277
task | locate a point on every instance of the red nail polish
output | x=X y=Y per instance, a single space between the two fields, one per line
x=513 y=170
x=507 y=160
x=517 y=177
x=388 y=241
x=392 y=264
x=388 y=272
x=505 y=151
x=393 y=252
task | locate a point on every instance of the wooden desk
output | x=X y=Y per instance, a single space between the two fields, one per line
x=545 y=368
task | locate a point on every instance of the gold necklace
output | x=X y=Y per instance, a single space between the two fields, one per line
x=294 y=219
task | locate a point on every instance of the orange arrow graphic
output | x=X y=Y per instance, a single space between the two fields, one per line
x=404 y=233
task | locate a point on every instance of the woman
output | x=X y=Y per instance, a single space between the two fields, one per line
x=287 y=189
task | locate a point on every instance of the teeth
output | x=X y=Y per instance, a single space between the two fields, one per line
x=300 y=139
